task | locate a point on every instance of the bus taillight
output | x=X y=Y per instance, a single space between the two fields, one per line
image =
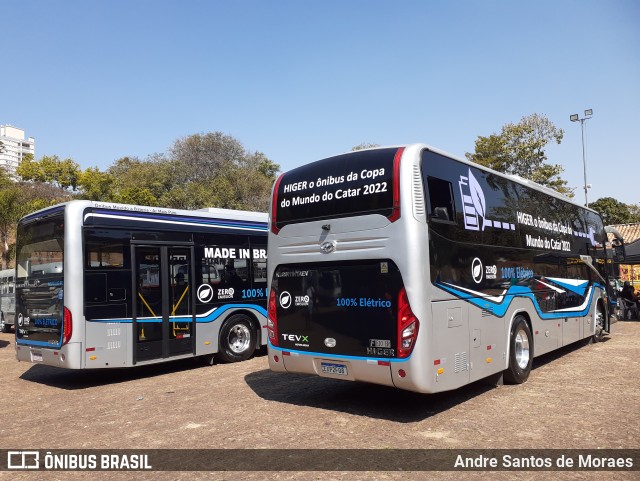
x=408 y=325
x=272 y=321
x=395 y=213
x=274 y=205
x=67 y=326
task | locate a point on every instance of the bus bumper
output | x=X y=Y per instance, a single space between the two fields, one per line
x=366 y=370
x=407 y=374
x=67 y=357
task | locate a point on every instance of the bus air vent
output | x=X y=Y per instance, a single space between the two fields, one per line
x=461 y=362
x=418 y=194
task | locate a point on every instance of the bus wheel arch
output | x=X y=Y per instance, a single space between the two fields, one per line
x=238 y=337
x=520 y=353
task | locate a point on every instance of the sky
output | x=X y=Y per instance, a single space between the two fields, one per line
x=301 y=80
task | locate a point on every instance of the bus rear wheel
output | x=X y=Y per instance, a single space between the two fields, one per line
x=520 y=352
x=237 y=339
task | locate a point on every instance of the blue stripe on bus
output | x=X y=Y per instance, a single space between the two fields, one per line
x=47 y=212
x=24 y=342
x=193 y=220
x=339 y=356
x=500 y=309
x=211 y=317
x=579 y=289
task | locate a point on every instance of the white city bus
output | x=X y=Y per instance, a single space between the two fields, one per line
x=408 y=267
x=7 y=299
x=102 y=285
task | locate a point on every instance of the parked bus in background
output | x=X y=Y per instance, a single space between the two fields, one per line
x=109 y=285
x=7 y=299
x=409 y=267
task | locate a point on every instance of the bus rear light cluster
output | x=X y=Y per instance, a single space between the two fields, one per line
x=272 y=321
x=395 y=213
x=274 y=206
x=408 y=325
x=67 y=326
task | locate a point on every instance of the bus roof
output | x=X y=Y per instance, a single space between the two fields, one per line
x=513 y=177
x=206 y=212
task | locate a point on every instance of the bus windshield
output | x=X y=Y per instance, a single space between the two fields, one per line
x=39 y=261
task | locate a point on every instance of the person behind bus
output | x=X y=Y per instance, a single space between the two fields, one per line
x=629 y=299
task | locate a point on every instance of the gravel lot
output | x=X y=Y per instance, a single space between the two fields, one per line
x=580 y=397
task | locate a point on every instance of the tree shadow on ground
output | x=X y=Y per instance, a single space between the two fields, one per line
x=4 y=344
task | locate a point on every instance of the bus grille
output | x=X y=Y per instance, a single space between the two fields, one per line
x=418 y=195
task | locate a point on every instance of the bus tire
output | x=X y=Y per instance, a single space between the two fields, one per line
x=237 y=339
x=598 y=319
x=520 y=352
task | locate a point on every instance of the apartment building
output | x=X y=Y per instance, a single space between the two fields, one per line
x=14 y=147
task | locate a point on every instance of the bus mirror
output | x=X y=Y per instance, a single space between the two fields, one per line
x=617 y=242
x=619 y=254
x=587 y=260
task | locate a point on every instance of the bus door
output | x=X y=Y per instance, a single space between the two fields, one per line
x=163 y=317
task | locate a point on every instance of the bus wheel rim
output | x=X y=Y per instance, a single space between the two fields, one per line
x=599 y=322
x=239 y=338
x=522 y=349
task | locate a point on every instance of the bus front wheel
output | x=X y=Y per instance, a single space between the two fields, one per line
x=599 y=321
x=520 y=352
x=237 y=339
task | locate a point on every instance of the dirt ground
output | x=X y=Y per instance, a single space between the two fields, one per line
x=580 y=397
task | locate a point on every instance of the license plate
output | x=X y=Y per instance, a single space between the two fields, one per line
x=36 y=356
x=330 y=368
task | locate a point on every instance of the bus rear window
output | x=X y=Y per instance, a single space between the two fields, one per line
x=357 y=183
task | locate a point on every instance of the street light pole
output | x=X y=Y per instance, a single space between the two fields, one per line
x=575 y=118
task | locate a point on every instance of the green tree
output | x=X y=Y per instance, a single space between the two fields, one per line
x=201 y=170
x=18 y=200
x=614 y=212
x=634 y=210
x=95 y=185
x=215 y=170
x=5 y=179
x=51 y=170
x=141 y=182
x=201 y=156
x=520 y=149
x=11 y=205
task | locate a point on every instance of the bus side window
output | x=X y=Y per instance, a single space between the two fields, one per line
x=441 y=200
x=104 y=254
x=235 y=273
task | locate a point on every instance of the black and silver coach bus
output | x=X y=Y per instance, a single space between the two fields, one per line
x=409 y=267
